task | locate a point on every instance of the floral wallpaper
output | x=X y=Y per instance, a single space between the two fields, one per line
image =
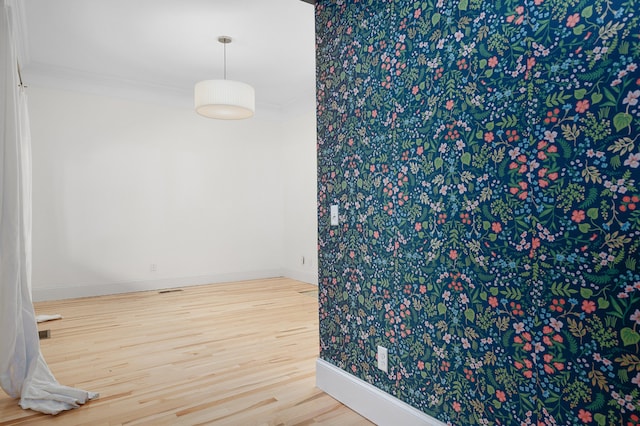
x=485 y=156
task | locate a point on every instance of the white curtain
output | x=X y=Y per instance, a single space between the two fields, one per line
x=23 y=371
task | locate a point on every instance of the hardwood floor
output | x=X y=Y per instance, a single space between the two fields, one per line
x=224 y=354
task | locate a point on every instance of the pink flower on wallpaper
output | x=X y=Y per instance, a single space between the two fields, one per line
x=631 y=98
x=573 y=20
x=585 y=416
x=636 y=380
x=588 y=306
x=578 y=216
x=633 y=161
x=582 y=106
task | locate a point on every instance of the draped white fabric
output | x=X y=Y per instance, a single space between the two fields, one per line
x=23 y=371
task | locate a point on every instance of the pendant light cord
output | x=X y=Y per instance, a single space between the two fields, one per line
x=225 y=60
x=225 y=40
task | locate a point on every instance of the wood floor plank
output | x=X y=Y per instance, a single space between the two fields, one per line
x=224 y=354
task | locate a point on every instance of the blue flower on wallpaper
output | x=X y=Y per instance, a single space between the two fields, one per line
x=486 y=157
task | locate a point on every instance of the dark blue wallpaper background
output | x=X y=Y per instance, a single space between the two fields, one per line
x=485 y=157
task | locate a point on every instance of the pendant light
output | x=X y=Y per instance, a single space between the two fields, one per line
x=224 y=99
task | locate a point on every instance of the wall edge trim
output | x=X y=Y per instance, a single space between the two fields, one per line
x=87 y=290
x=367 y=400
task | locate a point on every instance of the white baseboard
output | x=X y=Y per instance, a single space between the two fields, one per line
x=73 y=292
x=304 y=276
x=367 y=400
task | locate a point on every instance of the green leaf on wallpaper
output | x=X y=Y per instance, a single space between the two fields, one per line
x=470 y=314
x=486 y=225
x=556 y=99
x=493 y=291
x=572 y=344
x=603 y=303
x=617 y=309
x=563 y=290
x=586 y=293
x=361 y=299
x=435 y=18
x=579 y=93
x=512 y=293
x=600 y=278
x=612 y=99
x=622 y=120
x=489 y=72
x=493 y=237
x=587 y=12
x=630 y=263
x=466 y=159
x=596 y=97
x=482 y=50
x=442 y=309
x=578 y=29
x=482 y=63
x=593 y=213
x=584 y=227
x=597 y=402
x=483 y=295
x=615 y=161
x=624 y=376
x=506 y=338
x=629 y=336
x=479 y=134
x=508 y=121
x=490 y=125
x=438 y=162
x=552 y=399
x=486 y=277
x=600 y=419
x=624 y=48
x=463 y=5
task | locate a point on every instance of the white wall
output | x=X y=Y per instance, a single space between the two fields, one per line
x=120 y=185
x=300 y=177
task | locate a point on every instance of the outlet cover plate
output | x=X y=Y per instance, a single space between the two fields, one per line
x=335 y=216
x=383 y=359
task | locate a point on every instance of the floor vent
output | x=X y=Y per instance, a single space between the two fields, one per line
x=170 y=290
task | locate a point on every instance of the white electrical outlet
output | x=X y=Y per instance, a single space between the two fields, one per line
x=383 y=359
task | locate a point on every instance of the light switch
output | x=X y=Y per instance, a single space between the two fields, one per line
x=334 y=215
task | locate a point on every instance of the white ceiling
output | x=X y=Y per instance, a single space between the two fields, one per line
x=158 y=49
